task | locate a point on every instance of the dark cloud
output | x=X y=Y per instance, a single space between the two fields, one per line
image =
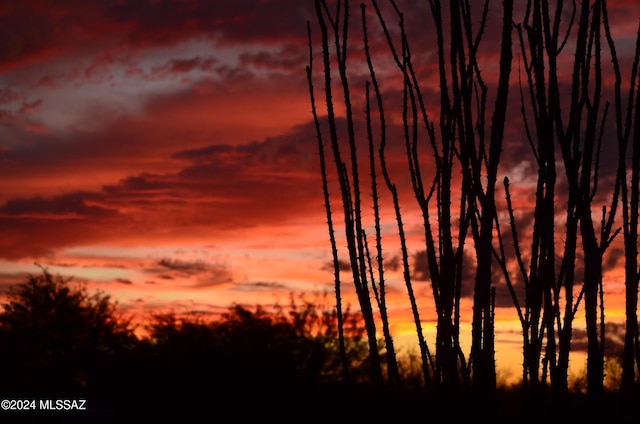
x=31 y=31
x=185 y=267
x=282 y=153
x=103 y=139
x=503 y=298
x=9 y=280
x=421 y=266
x=421 y=272
x=343 y=266
x=204 y=274
x=144 y=182
x=215 y=152
x=614 y=339
x=69 y=206
x=613 y=258
x=393 y=264
x=261 y=285
x=220 y=187
x=24 y=32
x=165 y=21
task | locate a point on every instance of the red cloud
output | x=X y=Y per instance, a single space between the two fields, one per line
x=35 y=31
x=220 y=187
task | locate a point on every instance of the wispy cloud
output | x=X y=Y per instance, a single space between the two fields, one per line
x=200 y=274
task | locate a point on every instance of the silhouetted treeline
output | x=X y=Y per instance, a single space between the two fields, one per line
x=59 y=341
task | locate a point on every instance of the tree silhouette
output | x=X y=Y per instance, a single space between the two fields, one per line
x=572 y=122
x=565 y=103
x=627 y=126
x=540 y=45
x=58 y=338
x=335 y=25
x=456 y=139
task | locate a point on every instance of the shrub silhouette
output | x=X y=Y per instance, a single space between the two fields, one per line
x=251 y=354
x=58 y=339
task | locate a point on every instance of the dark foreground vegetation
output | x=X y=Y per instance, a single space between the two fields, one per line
x=536 y=83
x=58 y=341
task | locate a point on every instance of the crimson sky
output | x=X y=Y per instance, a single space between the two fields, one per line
x=164 y=150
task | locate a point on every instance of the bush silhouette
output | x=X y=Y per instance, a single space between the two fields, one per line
x=262 y=357
x=57 y=339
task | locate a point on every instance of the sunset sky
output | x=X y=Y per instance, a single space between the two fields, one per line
x=164 y=152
